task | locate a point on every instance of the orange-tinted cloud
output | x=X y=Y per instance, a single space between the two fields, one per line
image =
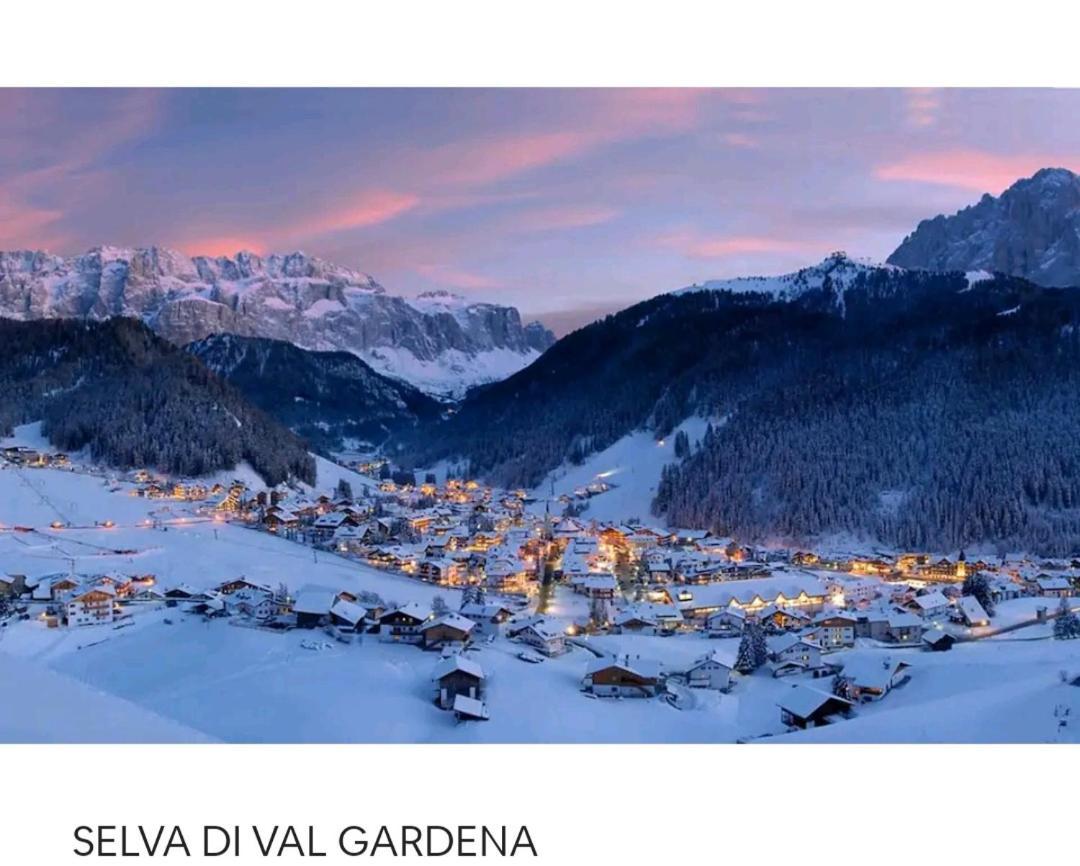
x=974 y=170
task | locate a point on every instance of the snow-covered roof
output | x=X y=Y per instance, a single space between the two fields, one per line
x=872 y=671
x=904 y=620
x=804 y=701
x=931 y=600
x=641 y=667
x=768 y=589
x=413 y=609
x=470 y=707
x=457 y=663
x=452 y=620
x=349 y=611
x=972 y=610
x=474 y=609
x=785 y=641
x=710 y=658
x=314 y=601
x=541 y=627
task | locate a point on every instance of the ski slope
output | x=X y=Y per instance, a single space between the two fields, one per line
x=632 y=465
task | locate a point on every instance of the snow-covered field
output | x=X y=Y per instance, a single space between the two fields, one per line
x=186 y=549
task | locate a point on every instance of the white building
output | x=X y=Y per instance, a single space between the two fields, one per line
x=91 y=606
x=708 y=672
x=542 y=636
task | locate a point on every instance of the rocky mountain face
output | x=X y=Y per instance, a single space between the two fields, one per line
x=133 y=400
x=439 y=342
x=916 y=408
x=333 y=399
x=1031 y=230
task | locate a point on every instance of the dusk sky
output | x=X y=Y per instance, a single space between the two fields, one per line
x=552 y=200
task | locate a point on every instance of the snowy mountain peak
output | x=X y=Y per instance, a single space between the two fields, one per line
x=1031 y=230
x=294 y=297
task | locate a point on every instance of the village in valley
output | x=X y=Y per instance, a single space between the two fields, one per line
x=383 y=605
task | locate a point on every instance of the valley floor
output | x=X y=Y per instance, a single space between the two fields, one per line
x=192 y=679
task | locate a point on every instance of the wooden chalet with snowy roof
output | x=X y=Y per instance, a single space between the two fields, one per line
x=807 y=707
x=312 y=607
x=448 y=630
x=405 y=623
x=457 y=675
x=348 y=615
x=623 y=677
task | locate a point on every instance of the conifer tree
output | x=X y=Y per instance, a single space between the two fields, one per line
x=1067 y=624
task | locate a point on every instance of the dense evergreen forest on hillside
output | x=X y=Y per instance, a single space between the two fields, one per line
x=332 y=399
x=134 y=400
x=904 y=406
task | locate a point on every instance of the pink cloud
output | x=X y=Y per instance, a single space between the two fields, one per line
x=612 y=116
x=923 y=106
x=739 y=139
x=974 y=170
x=562 y=217
x=22 y=225
x=494 y=159
x=49 y=164
x=361 y=211
x=222 y=245
x=699 y=246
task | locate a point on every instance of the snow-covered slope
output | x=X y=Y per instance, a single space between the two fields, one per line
x=838 y=270
x=439 y=342
x=631 y=466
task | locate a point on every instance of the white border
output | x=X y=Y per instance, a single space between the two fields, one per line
x=626 y=804
x=810 y=806
x=553 y=43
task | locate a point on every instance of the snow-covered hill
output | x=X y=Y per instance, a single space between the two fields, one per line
x=837 y=270
x=439 y=342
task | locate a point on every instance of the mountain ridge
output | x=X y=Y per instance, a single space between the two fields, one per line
x=332 y=399
x=1031 y=230
x=318 y=305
